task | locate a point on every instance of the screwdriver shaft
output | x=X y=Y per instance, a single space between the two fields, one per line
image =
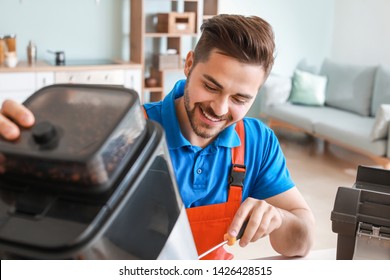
x=212 y=249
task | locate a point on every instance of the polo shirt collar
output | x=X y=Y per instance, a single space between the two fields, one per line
x=169 y=118
x=227 y=138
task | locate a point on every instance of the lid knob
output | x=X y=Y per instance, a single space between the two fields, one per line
x=44 y=133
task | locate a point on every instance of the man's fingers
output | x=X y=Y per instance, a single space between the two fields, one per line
x=262 y=219
x=17 y=113
x=263 y=227
x=14 y=114
x=8 y=129
x=240 y=218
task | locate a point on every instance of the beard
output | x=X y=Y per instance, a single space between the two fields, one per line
x=200 y=128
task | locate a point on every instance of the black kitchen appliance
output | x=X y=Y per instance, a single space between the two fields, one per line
x=361 y=216
x=59 y=57
x=92 y=179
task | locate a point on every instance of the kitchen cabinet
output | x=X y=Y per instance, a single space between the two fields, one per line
x=20 y=82
x=17 y=81
x=44 y=79
x=16 y=86
x=114 y=77
x=20 y=85
x=133 y=80
x=130 y=78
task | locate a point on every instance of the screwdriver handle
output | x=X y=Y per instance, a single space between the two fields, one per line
x=242 y=230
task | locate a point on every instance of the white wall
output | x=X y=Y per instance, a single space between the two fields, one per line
x=361 y=32
x=83 y=29
x=303 y=28
x=353 y=31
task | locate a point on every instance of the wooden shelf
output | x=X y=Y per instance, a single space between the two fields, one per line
x=144 y=41
x=206 y=17
x=210 y=7
x=181 y=69
x=169 y=35
x=153 y=89
x=176 y=0
x=156 y=96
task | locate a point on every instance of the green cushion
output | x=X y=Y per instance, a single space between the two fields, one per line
x=380 y=129
x=308 y=89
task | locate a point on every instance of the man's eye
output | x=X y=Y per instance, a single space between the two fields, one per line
x=239 y=101
x=210 y=88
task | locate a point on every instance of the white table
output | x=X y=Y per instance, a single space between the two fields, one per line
x=324 y=254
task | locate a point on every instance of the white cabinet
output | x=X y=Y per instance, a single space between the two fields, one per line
x=113 y=77
x=44 y=79
x=16 y=86
x=17 y=81
x=130 y=78
x=20 y=85
x=133 y=80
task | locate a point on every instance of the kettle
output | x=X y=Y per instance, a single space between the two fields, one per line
x=59 y=57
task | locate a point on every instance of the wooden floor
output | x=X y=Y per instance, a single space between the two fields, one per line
x=318 y=172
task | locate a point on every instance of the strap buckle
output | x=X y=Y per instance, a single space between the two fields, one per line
x=237 y=175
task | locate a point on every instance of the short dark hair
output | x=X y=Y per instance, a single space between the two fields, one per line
x=247 y=39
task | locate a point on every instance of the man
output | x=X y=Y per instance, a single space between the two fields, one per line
x=203 y=117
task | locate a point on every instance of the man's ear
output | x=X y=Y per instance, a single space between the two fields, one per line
x=189 y=63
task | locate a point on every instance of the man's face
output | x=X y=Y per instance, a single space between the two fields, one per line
x=219 y=92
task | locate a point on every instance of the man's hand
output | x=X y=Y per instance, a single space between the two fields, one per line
x=13 y=114
x=263 y=218
x=286 y=218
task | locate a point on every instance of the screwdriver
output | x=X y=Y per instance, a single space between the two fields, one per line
x=228 y=239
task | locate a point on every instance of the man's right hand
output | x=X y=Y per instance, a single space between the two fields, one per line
x=13 y=114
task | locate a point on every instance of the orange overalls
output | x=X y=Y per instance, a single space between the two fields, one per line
x=209 y=223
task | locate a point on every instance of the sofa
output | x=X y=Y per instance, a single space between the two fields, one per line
x=343 y=104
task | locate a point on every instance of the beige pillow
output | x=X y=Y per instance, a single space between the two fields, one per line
x=380 y=130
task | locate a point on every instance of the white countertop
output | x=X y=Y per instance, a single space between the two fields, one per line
x=324 y=254
x=41 y=66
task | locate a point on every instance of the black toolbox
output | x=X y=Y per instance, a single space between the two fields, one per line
x=361 y=216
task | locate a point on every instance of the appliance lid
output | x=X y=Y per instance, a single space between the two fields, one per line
x=81 y=134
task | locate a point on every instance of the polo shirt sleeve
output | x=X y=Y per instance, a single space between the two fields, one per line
x=268 y=172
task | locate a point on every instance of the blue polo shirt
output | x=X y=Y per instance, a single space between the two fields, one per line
x=202 y=173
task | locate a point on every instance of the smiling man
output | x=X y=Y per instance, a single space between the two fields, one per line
x=224 y=89
x=224 y=74
x=230 y=169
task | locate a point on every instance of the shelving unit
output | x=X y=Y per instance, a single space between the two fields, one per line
x=210 y=8
x=146 y=42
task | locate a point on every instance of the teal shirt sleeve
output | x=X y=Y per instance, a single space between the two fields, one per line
x=267 y=172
